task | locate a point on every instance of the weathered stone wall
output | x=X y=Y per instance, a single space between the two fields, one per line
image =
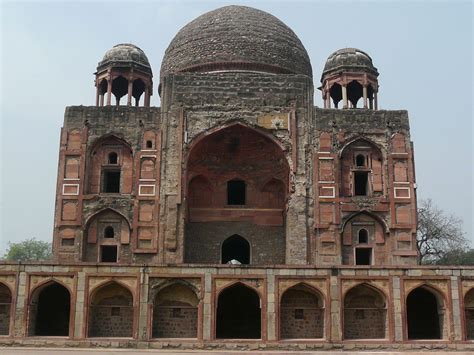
x=89 y=134
x=111 y=321
x=192 y=104
x=175 y=321
x=204 y=241
x=383 y=138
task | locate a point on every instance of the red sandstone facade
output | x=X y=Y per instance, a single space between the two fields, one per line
x=237 y=212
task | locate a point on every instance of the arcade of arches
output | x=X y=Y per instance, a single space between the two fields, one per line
x=175 y=309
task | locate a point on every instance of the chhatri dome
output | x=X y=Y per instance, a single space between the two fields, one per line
x=236 y=38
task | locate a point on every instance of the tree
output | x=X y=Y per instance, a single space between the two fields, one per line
x=438 y=234
x=28 y=250
x=457 y=257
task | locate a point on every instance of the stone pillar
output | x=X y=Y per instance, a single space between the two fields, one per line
x=129 y=94
x=207 y=308
x=97 y=95
x=335 y=333
x=109 y=91
x=344 y=96
x=456 y=311
x=147 y=97
x=397 y=309
x=271 y=304
x=19 y=329
x=143 y=305
x=79 y=325
x=364 y=94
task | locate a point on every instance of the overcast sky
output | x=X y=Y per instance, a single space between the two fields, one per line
x=423 y=51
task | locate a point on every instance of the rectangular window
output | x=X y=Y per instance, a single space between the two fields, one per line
x=108 y=253
x=111 y=181
x=176 y=313
x=361 y=183
x=67 y=242
x=363 y=256
x=236 y=192
x=299 y=314
x=115 y=311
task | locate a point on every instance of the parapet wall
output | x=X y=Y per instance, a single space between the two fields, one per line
x=337 y=292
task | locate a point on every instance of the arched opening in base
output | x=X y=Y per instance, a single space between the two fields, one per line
x=238 y=313
x=423 y=316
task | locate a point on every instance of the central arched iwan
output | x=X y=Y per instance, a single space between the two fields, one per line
x=237 y=180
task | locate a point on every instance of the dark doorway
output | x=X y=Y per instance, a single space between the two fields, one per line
x=236 y=248
x=238 y=313
x=108 y=253
x=49 y=311
x=422 y=315
x=236 y=192
x=5 y=304
x=363 y=256
x=111 y=181
x=361 y=183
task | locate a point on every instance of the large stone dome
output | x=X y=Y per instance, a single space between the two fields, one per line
x=236 y=38
x=125 y=54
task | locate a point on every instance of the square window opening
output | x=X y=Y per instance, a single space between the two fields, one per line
x=299 y=314
x=363 y=256
x=111 y=181
x=108 y=253
x=236 y=192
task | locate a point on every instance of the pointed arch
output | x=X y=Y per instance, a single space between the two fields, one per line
x=367 y=213
x=200 y=192
x=238 y=312
x=469 y=314
x=49 y=309
x=360 y=139
x=365 y=312
x=175 y=311
x=109 y=137
x=5 y=308
x=111 y=310
x=273 y=194
x=301 y=313
x=425 y=313
x=237 y=248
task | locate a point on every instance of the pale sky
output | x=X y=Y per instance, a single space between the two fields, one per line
x=49 y=52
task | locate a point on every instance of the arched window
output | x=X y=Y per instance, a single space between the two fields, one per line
x=363 y=236
x=175 y=312
x=301 y=314
x=424 y=320
x=149 y=144
x=360 y=160
x=365 y=314
x=49 y=310
x=5 y=309
x=236 y=248
x=109 y=232
x=111 y=312
x=113 y=158
x=469 y=314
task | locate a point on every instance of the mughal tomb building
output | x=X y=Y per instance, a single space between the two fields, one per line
x=238 y=214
